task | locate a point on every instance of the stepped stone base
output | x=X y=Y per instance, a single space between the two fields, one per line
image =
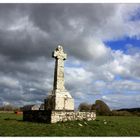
x=56 y=116
x=59 y=100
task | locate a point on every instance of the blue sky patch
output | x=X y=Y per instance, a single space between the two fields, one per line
x=118 y=77
x=123 y=44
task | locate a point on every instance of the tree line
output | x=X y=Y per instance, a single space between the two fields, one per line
x=102 y=108
x=9 y=108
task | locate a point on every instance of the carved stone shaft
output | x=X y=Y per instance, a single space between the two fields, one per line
x=60 y=98
x=60 y=56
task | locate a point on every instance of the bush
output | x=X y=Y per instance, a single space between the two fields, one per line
x=120 y=113
x=101 y=108
x=84 y=107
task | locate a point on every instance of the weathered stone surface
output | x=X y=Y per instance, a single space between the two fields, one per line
x=60 y=56
x=63 y=116
x=57 y=116
x=59 y=98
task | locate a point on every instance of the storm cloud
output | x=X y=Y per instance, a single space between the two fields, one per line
x=30 y=32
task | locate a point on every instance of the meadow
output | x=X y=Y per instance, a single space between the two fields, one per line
x=12 y=125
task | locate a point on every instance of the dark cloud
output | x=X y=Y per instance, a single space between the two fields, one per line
x=30 y=32
x=60 y=22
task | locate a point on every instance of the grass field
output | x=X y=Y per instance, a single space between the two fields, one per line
x=12 y=125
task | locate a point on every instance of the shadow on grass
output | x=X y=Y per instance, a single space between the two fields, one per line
x=13 y=119
x=8 y=119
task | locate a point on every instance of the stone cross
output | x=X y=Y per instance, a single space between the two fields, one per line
x=60 y=56
x=59 y=98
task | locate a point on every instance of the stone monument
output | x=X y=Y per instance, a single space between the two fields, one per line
x=59 y=105
x=59 y=98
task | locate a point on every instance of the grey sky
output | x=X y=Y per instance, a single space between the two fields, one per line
x=30 y=32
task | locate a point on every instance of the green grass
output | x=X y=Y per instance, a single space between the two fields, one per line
x=12 y=125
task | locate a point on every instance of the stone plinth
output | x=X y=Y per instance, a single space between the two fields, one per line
x=56 y=116
x=63 y=116
x=37 y=116
x=59 y=101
